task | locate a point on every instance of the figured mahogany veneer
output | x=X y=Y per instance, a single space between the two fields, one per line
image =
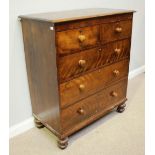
x=74 y=40
x=93 y=58
x=92 y=82
x=77 y=65
x=69 y=41
x=116 y=31
x=97 y=103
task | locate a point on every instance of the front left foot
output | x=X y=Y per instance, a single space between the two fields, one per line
x=121 y=108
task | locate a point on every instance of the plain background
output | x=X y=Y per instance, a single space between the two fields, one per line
x=20 y=105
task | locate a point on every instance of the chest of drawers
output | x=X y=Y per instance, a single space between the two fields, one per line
x=77 y=65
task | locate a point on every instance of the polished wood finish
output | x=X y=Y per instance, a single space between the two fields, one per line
x=40 y=55
x=72 y=15
x=85 y=85
x=77 y=66
x=92 y=119
x=92 y=21
x=92 y=59
x=116 y=31
x=75 y=40
x=92 y=105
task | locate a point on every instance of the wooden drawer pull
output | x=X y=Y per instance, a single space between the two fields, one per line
x=82 y=63
x=100 y=49
x=81 y=111
x=114 y=94
x=82 y=38
x=117 y=51
x=81 y=87
x=116 y=72
x=118 y=29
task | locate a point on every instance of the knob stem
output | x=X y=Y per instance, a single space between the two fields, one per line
x=82 y=63
x=82 y=87
x=81 y=111
x=117 y=51
x=116 y=72
x=82 y=38
x=114 y=94
x=118 y=29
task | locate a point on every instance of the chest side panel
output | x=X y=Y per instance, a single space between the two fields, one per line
x=39 y=46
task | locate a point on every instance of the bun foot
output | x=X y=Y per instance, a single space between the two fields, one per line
x=63 y=143
x=121 y=108
x=38 y=124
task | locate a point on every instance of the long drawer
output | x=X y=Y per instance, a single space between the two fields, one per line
x=106 y=99
x=75 y=64
x=81 y=87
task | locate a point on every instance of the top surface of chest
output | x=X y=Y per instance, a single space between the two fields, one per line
x=64 y=16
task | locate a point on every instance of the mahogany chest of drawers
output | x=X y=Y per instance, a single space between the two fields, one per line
x=77 y=64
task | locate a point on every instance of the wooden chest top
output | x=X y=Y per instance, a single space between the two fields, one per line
x=63 y=16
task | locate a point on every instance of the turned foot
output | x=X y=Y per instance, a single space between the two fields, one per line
x=38 y=124
x=121 y=108
x=62 y=143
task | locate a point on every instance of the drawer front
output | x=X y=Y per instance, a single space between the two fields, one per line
x=103 y=101
x=117 y=30
x=88 y=84
x=92 y=21
x=70 y=41
x=75 y=64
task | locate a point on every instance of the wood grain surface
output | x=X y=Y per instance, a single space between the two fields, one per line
x=75 y=24
x=68 y=41
x=94 y=58
x=70 y=91
x=77 y=66
x=93 y=105
x=109 y=31
x=70 y=15
x=42 y=71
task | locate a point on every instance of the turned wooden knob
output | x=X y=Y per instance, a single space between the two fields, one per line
x=100 y=49
x=81 y=87
x=81 y=111
x=116 y=72
x=114 y=94
x=117 y=51
x=82 y=37
x=118 y=29
x=82 y=63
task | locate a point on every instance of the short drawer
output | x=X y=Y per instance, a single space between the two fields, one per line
x=116 y=30
x=75 y=64
x=88 y=84
x=77 y=114
x=70 y=41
